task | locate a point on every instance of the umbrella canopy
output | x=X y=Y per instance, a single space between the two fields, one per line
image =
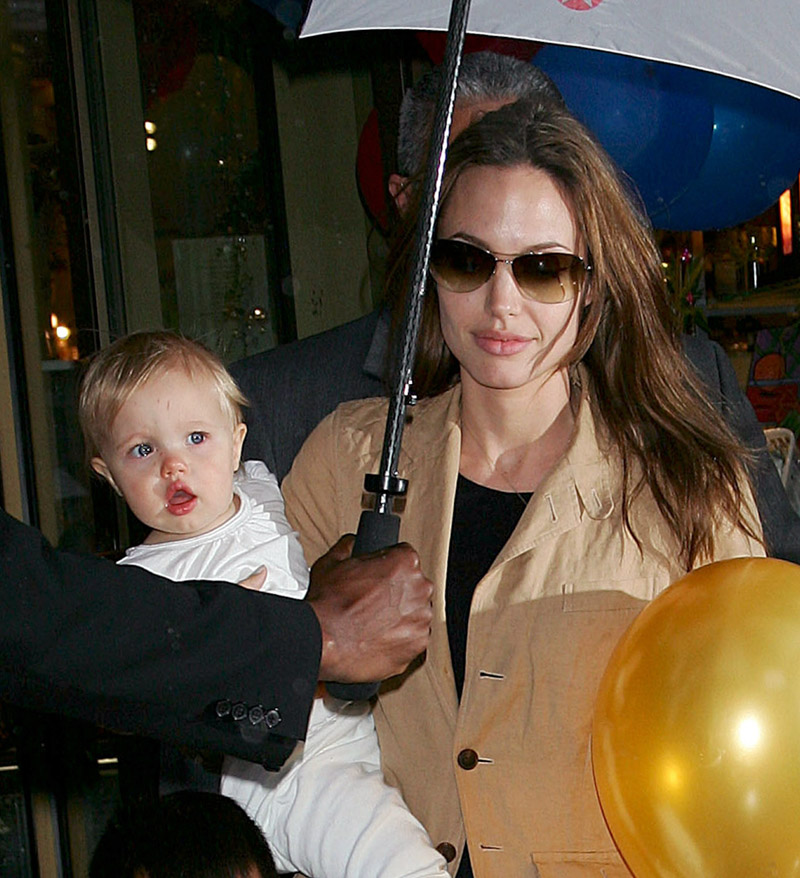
x=754 y=42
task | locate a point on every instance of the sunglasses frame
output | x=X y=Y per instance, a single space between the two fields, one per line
x=576 y=263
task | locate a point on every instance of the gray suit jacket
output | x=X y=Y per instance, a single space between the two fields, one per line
x=293 y=387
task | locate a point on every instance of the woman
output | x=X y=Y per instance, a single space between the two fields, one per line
x=564 y=468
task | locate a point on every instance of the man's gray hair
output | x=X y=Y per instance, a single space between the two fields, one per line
x=483 y=76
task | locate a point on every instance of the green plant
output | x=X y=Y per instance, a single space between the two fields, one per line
x=685 y=278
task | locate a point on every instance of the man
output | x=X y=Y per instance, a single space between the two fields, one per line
x=355 y=355
x=200 y=664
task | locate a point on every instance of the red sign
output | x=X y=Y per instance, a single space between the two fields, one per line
x=580 y=5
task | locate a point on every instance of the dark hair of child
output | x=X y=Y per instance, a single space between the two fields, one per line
x=204 y=835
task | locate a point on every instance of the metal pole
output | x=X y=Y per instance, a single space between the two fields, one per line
x=379 y=528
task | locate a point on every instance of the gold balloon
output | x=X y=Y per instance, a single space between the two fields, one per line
x=696 y=735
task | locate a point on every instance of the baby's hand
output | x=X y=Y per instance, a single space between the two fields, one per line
x=256 y=579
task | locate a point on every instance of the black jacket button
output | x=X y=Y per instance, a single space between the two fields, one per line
x=239 y=710
x=467 y=759
x=256 y=714
x=447 y=850
x=222 y=708
x=272 y=717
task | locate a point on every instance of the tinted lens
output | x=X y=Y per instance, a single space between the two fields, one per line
x=459 y=266
x=544 y=277
x=549 y=277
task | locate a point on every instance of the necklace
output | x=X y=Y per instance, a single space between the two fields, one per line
x=495 y=468
x=534 y=459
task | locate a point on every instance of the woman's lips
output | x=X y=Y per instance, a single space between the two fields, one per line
x=500 y=343
x=180 y=500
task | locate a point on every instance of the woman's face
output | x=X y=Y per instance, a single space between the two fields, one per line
x=501 y=338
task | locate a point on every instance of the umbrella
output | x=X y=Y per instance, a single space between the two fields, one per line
x=754 y=42
x=380 y=527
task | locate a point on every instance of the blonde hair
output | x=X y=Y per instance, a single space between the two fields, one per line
x=115 y=372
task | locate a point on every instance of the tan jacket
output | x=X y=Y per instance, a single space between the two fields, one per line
x=514 y=757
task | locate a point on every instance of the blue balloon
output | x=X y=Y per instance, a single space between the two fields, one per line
x=754 y=157
x=647 y=115
x=705 y=151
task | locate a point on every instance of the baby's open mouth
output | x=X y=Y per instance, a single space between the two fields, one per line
x=180 y=499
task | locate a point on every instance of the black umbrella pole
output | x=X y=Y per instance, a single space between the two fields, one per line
x=379 y=528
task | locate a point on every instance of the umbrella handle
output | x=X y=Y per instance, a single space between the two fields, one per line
x=376 y=531
x=379 y=528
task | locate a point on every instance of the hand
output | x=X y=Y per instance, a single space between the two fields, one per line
x=375 y=611
x=256 y=579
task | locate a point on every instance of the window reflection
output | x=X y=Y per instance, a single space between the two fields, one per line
x=51 y=293
x=207 y=165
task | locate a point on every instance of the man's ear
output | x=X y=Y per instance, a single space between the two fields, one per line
x=398 y=189
x=102 y=470
x=239 y=432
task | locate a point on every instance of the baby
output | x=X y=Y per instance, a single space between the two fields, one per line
x=162 y=419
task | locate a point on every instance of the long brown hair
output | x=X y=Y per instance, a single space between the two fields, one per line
x=643 y=390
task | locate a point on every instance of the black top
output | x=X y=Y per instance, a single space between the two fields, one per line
x=483 y=520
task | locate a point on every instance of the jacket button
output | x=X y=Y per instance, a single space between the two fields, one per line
x=239 y=711
x=272 y=717
x=256 y=714
x=467 y=759
x=447 y=850
x=223 y=708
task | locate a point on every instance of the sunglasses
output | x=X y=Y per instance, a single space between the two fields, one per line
x=544 y=277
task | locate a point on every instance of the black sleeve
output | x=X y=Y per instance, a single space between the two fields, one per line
x=207 y=665
x=780 y=522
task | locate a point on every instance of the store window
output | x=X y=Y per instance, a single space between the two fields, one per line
x=214 y=171
x=49 y=313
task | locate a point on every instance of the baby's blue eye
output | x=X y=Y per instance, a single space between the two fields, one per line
x=141 y=450
x=196 y=438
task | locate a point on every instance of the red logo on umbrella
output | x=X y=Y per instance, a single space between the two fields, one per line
x=580 y=5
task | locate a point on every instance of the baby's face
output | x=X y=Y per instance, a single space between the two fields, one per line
x=172 y=452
